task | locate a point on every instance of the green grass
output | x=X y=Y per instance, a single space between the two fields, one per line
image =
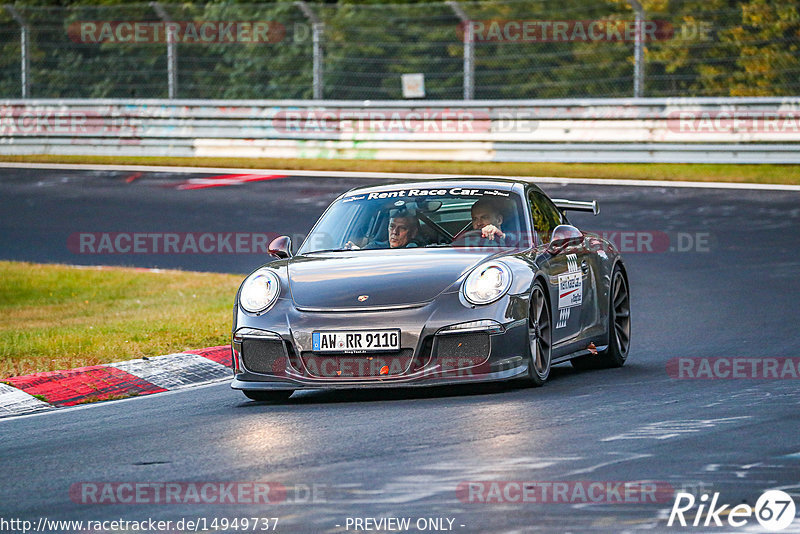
x=761 y=174
x=59 y=317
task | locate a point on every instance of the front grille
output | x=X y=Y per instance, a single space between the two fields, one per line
x=473 y=347
x=264 y=355
x=356 y=365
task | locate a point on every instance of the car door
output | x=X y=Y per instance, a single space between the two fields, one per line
x=568 y=270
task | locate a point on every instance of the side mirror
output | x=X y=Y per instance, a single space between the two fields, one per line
x=281 y=247
x=563 y=236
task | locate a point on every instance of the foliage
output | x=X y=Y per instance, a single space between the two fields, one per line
x=708 y=48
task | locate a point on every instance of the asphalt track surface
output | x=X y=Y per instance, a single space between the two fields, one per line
x=403 y=453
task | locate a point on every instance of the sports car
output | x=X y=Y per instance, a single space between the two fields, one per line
x=432 y=283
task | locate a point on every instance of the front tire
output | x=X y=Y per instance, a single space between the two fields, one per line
x=268 y=396
x=539 y=336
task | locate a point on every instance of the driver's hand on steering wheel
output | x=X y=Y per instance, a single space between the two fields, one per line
x=351 y=246
x=490 y=231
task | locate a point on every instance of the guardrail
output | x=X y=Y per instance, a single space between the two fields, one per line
x=706 y=130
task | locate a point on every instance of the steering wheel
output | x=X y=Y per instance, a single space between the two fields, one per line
x=472 y=237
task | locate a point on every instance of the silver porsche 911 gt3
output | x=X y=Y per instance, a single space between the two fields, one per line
x=431 y=283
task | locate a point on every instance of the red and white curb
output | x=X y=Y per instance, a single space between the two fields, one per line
x=20 y=395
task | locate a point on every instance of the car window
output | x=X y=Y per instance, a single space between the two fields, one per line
x=453 y=216
x=544 y=214
x=441 y=217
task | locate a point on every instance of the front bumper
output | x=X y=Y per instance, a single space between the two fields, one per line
x=273 y=351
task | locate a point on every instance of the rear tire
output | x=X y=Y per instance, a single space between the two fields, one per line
x=619 y=328
x=540 y=337
x=268 y=396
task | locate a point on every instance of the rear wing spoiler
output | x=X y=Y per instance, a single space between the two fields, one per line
x=577 y=205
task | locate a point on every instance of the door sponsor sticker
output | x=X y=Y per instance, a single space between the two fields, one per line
x=570 y=290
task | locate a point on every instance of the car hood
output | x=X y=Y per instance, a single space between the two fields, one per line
x=386 y=277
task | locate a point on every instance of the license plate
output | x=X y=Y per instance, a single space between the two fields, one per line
x=356 y=341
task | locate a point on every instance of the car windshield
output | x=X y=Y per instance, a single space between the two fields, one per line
x=409 y=218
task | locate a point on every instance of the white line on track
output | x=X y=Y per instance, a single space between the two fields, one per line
x=402 y=176
x=626 y=457
x=116 y=401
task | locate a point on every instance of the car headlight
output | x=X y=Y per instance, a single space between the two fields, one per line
x=259 y=291
x=487 y=283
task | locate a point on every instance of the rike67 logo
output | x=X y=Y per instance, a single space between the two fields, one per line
x=774 y=510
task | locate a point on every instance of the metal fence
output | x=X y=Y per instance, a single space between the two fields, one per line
x=512 y=49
